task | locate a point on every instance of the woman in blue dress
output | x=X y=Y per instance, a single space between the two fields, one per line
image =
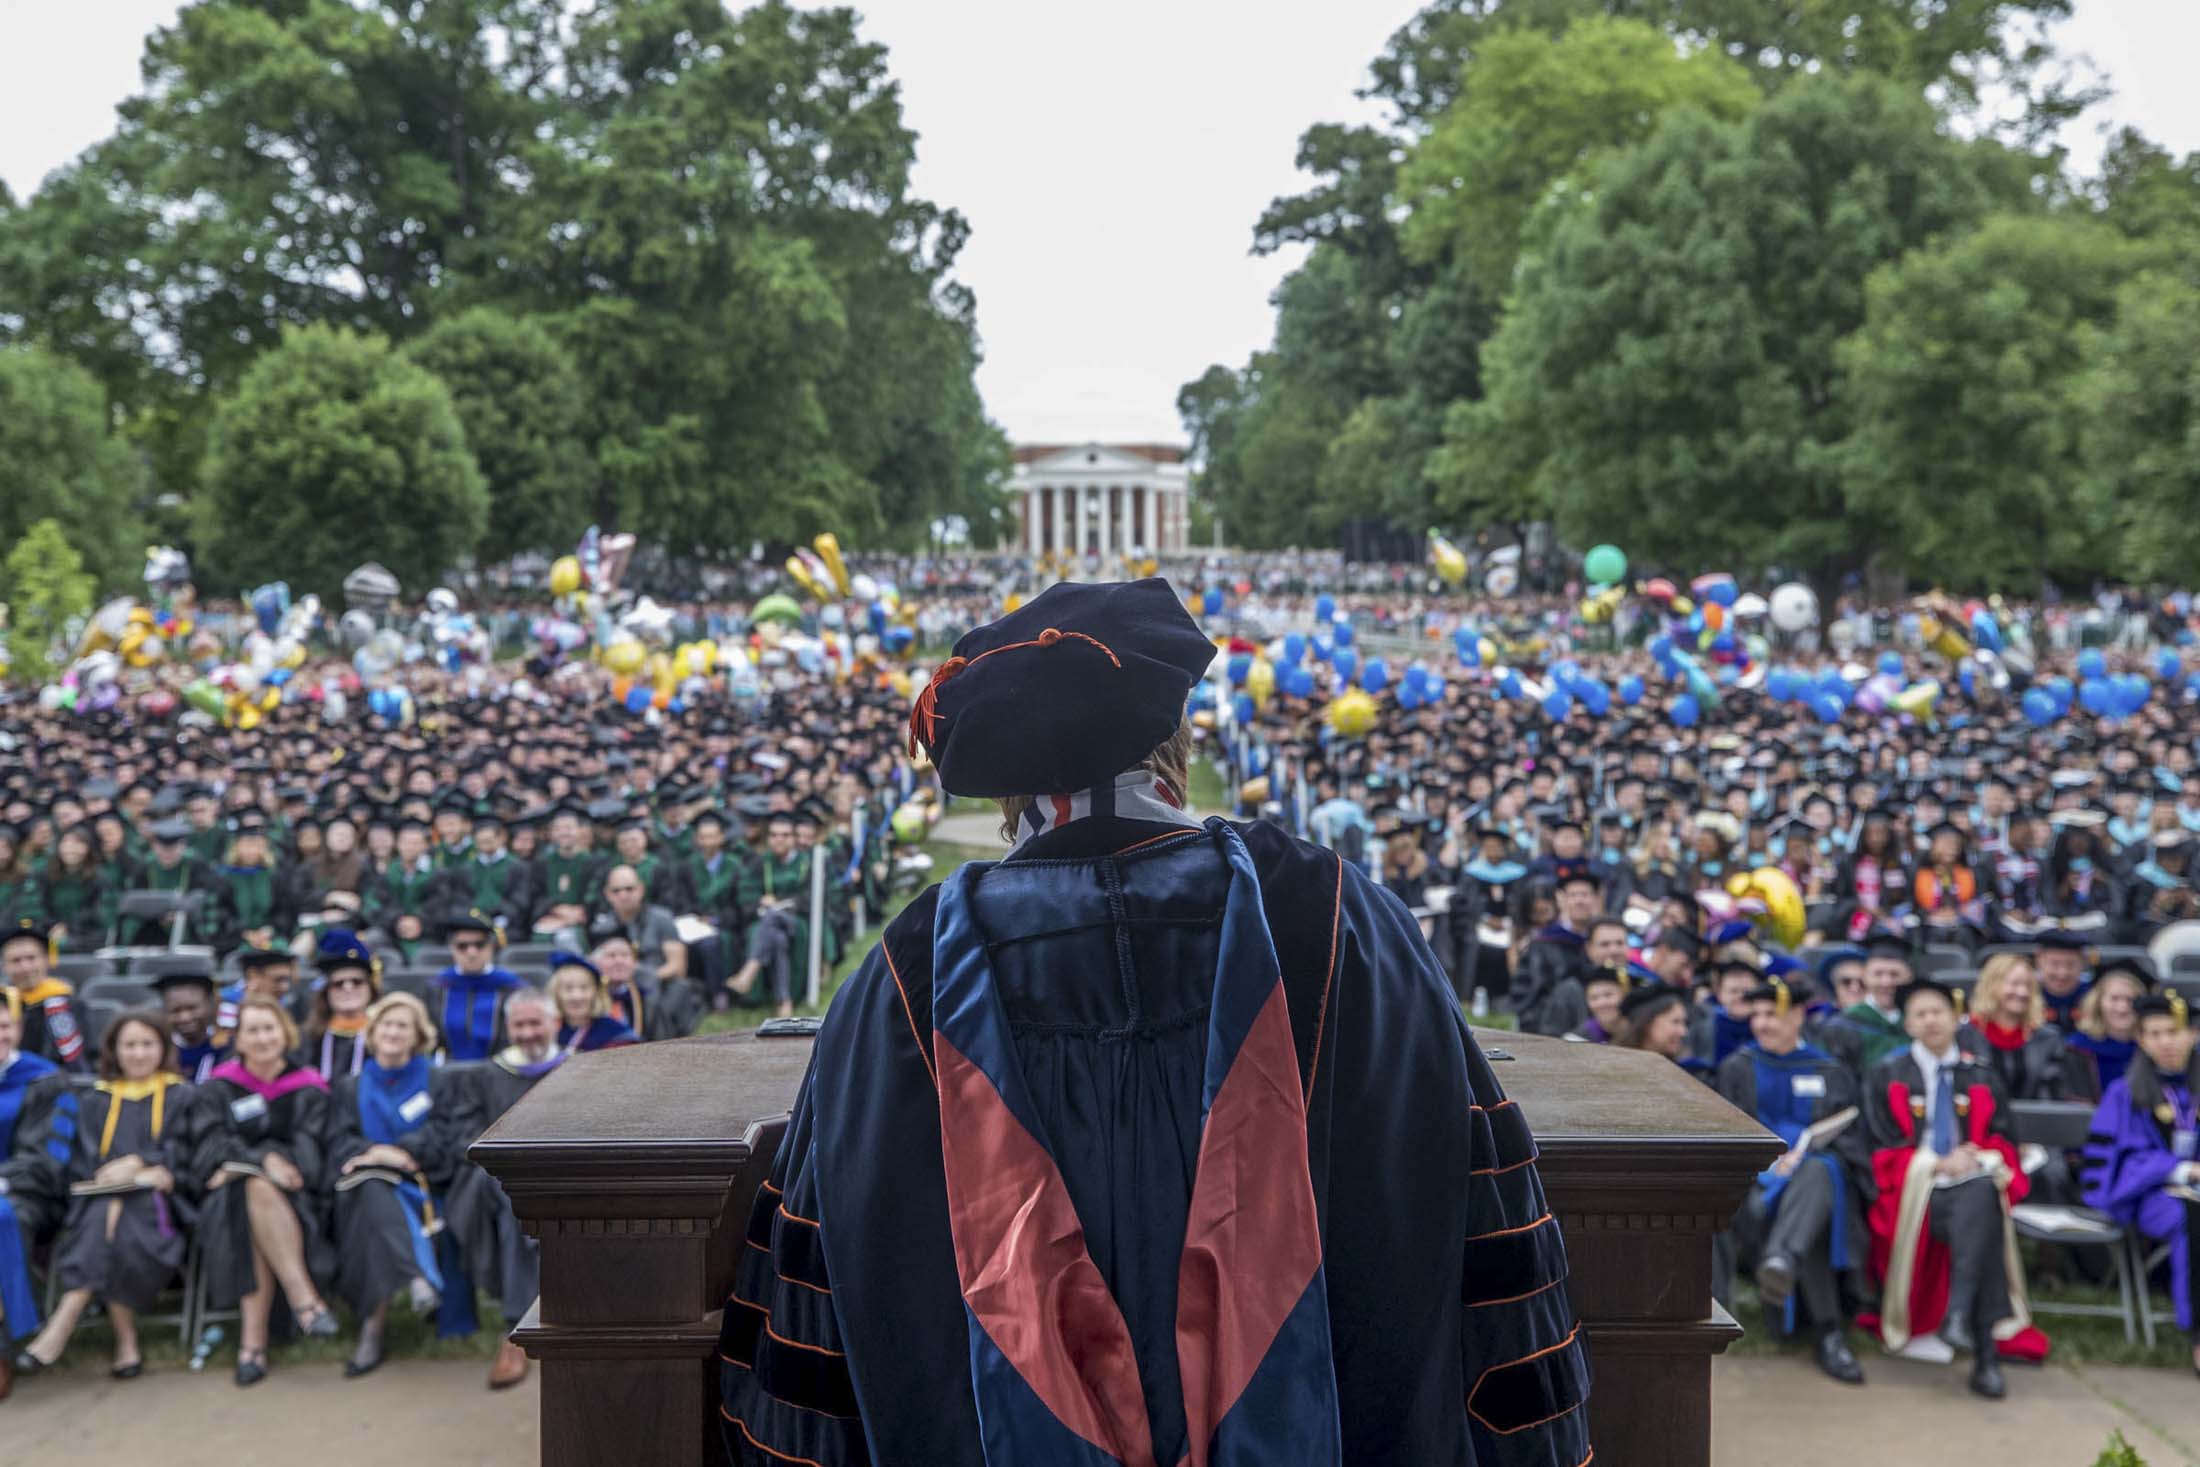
x=37 y=1128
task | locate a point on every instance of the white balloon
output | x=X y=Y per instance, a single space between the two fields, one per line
x=356 y=626
x=1794 y=607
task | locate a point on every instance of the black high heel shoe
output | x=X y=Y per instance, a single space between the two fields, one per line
x=251 y=1372
x=28 y=1365
x=131 y=1371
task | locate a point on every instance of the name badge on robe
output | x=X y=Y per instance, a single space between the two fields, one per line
x=415 y=1108
x=249 y=1108
x=2186 y=1144
x=1810 y=1087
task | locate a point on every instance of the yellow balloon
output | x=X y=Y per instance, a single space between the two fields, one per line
x=565 y=575
x=1260 y=681
x=683 y=663
x=1013 y=601
x=1451 y=564
x=1783 y=918
x=1918 y=699
x=1149 y=567
x=703 y=657
x=1352 y=713
x=660 y=672
x=1487 y=652
x=828 y=550
x=802 y=577
x=625 y=656
x=294 y=655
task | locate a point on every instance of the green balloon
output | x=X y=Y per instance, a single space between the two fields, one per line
x=1606 y=565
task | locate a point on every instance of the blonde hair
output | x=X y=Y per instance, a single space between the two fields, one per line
x=275 y=1007
x=425 y=1036
x=2089 y=1008
x=1171 y=760
x=599 y=1005
x=1986 y=993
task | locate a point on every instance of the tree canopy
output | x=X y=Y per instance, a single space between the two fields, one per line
x=60 y=461
x=708 y=212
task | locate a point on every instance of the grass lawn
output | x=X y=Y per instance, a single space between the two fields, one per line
x=2076 y=1341
x=408 y=1336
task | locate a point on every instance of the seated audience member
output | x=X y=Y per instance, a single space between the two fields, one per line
x=33 y=1093
x=1655 y=1019
x=1546 y=986
x=499 y=1255
x=468 y=1000
x=2008 y=1029
x=775 y=896
x=383 y=1162
x=1878 y=1018
x=48 y=1023
x=1944 y=1171
x=257 y=1126
x=2143 y=1154
x=2107 y=1033
x=567 y=877
x=652 y=928
x=336 y=1033
x=576 y=988
x=251 y=907
x=1601 y=992
x=267 y=972
x=122 y=1248
x=1721 y=1023
x=187 y=1005
x=1802 y=1221
x=2060 y=963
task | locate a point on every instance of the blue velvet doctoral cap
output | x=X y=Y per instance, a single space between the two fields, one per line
x=1064 y=693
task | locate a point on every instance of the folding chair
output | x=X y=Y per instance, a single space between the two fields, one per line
x=128 y=990
x=2062 y=1125
x=174 y=907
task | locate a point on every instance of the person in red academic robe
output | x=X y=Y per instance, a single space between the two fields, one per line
x=1944 y=1162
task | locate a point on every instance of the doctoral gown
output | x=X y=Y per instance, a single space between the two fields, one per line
x=469 y=1009
x=2136 y=1142
x=150 y=1120
x=385 y=1231
x=238 y=1117
x=38 y=1113
x=1187 y=1206
x=497 y=1254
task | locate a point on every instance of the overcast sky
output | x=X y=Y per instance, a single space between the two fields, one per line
x=1111 y=160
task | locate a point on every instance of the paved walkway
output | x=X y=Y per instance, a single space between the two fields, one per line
x=421 y=1411
x=1779 y=1409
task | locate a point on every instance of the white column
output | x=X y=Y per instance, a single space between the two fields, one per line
x=1031 y=518
x=1057 y=501
x=1134 y=522
x=1107 y=520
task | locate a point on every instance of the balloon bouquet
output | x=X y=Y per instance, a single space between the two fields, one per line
x=126 y=642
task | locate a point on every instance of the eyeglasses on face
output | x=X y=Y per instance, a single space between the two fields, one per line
x=349 y=983
x=469 y=944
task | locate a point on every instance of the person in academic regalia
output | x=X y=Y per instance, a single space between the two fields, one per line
x=335 y=1036
x=405 y=899
x=1552 y=966
x=251 y=907
x=257 y=1127
x=1945 y=1171
x=44 y=1006
x=2008 y=1029
x=710 y=875
x=383 y=1160
x=774 y=894
x=171 y=868
x=1155 y=1140
x=2106 y=1037
x=1878 y=1018
x=38 y=1113
x=187 y=1005
x=132 y=1128
x=1603 y=991
x=1802 y=1221
x=1654 y=1018
x=2142 y=1161
x=585 y=1023
x=467 y=1001
x=73 y=896
x=2061 y=965
x=498 y=1254
x=566 y=877
x=1722 y=1023
x=489 y=880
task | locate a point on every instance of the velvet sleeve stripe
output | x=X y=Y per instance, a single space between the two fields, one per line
x=1513 y=1264
x=760 y=1432
x=1501 y=1139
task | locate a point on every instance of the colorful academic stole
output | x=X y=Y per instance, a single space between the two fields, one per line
x=1133 y=795
x=51 y=999
x=1051 y=1358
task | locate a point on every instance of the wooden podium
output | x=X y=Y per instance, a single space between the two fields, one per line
x=635 y=1167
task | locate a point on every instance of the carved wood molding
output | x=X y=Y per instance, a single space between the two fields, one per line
x=1641 y=1222
x=693 y=1340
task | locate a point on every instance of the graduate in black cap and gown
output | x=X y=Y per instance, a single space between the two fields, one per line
x=467 y=1001
x=1159 y=1140
x=1545 y=987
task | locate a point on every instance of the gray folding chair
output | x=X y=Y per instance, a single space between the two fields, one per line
x=2062 y=1125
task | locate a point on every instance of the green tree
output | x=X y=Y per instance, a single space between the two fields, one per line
x=43 y=584
x=60 y=461
x=1539 y=108
x=519 y=399
x=2136 y=404
x=332 y=450
x=2145 y=192
x=1666 y=376
x=1959 y=381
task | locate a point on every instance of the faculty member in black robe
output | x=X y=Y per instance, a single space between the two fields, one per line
x=124 y=1247
x=257 y=1128
x=1546 y=986
x=1141 y=1034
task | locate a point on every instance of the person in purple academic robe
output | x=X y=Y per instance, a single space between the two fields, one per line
x=1160 y=1141
x=2142 y=1161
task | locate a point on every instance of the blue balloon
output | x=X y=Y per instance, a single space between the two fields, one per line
x=2097 y=695
x=277 y=678
x=1464 y=640
x=1661 y=649
x=1324 y=649
x=637 y=699
x=677 y=705
x=2064 y=692
x=1347 y=662
x=1416 y=678
x=1299 y=682
x=1509 y=684
x=897 y=639
x=1409 y=697
x=1985 y=630
x=1566 y=673
x=2132 y=692
x=1594 y=696
x=1325 y=607
x=1556 y=703
x=1294 y=650
x=876 y=614
x=1827 y=706
x=1211 y=602
x=1241 y=708
x=1780 y=685
x=1240 y=664
x=2091 y=664
x=1686 y=711
x=1890 y=663
x=1967 y=679
x=1376 y=675
x=1723 y=593
x=1630 y=690
x=1343 y=633
x=2039 y=707
x=2167 y=665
